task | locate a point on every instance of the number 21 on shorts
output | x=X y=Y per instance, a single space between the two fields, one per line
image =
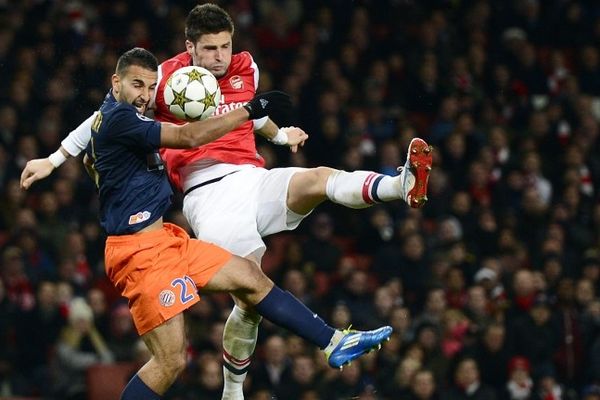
x=185 y=291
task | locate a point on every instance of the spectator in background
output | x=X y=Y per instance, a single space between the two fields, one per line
x=302 y=379
x=80 y=345
x=467 y=383
x=36 y=333
x=477 y=309
x=351 y=382
x=320 y=249
x=435 y=306
x=455 y=327
x=547 y=387
x=276 y=367
x=490 y=352
x=534 y=336
x=122 y=334
x=569 y=356
x=520 y=384
x=405 y=372
x=406 y=260
x=423 y=386
x=358 y=296
x=207 y=383
x=97 y=301
x=524 y=294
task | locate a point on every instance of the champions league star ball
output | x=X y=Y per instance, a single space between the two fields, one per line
x=192 y=93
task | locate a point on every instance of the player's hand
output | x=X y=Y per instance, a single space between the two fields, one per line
x=296 y=137
x=34 y=171
x=274 y=102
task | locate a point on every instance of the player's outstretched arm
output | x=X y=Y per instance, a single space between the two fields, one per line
x=202 y=132
x=40 y=168
x=71 y=146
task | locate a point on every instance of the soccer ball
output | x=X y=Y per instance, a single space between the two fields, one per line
x=192 y=93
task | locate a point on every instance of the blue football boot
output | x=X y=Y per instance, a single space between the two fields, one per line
x=354 y=344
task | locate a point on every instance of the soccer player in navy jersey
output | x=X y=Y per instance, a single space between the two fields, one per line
x=156 y=265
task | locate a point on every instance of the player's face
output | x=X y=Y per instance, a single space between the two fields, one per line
x=212 y=51
x=135 y=86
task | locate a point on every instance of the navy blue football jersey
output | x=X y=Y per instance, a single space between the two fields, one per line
x=133 y=187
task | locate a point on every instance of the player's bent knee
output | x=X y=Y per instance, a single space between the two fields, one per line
x=307 y=189
x=316 y=178
x=254 y=285
x=253 y=278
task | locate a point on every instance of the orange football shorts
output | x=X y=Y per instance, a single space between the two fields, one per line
x=159 y=272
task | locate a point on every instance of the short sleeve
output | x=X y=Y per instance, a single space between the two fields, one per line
x=134 y=129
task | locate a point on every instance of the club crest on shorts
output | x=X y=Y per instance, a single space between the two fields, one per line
x=166 y=298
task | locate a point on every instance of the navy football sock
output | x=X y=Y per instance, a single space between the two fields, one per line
x=136 y=389
x=283 y=309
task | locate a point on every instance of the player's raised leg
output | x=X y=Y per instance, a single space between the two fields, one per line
x=307 y=189
x=361 y=189
x=248 y=283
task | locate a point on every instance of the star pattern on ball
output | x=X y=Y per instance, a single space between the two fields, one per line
x=209 y=100
x=194 y=75
x=180 y=99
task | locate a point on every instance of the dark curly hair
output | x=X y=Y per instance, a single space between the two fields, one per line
x=207 y=18
x=136 y=56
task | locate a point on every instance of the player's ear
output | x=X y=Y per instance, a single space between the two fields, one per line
x=189 y=46
x=115 y=84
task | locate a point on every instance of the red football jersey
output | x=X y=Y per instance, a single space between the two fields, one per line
x=238 y=86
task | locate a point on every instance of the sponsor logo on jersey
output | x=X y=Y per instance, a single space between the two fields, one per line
x=236 y=82
x=166 y=298
x=224 y=108
x=139 y=217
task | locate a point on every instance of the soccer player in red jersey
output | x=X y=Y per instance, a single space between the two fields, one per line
x=230 y=199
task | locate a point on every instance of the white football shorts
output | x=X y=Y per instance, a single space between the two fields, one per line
x=240 y=209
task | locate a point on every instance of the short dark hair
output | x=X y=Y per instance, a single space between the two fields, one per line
x=136 y=56
x=207 y=18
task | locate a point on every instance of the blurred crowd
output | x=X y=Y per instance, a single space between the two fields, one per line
x=492 y=288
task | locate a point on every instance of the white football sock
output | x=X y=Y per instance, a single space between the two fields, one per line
x=361 y=189
x=239 y=340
